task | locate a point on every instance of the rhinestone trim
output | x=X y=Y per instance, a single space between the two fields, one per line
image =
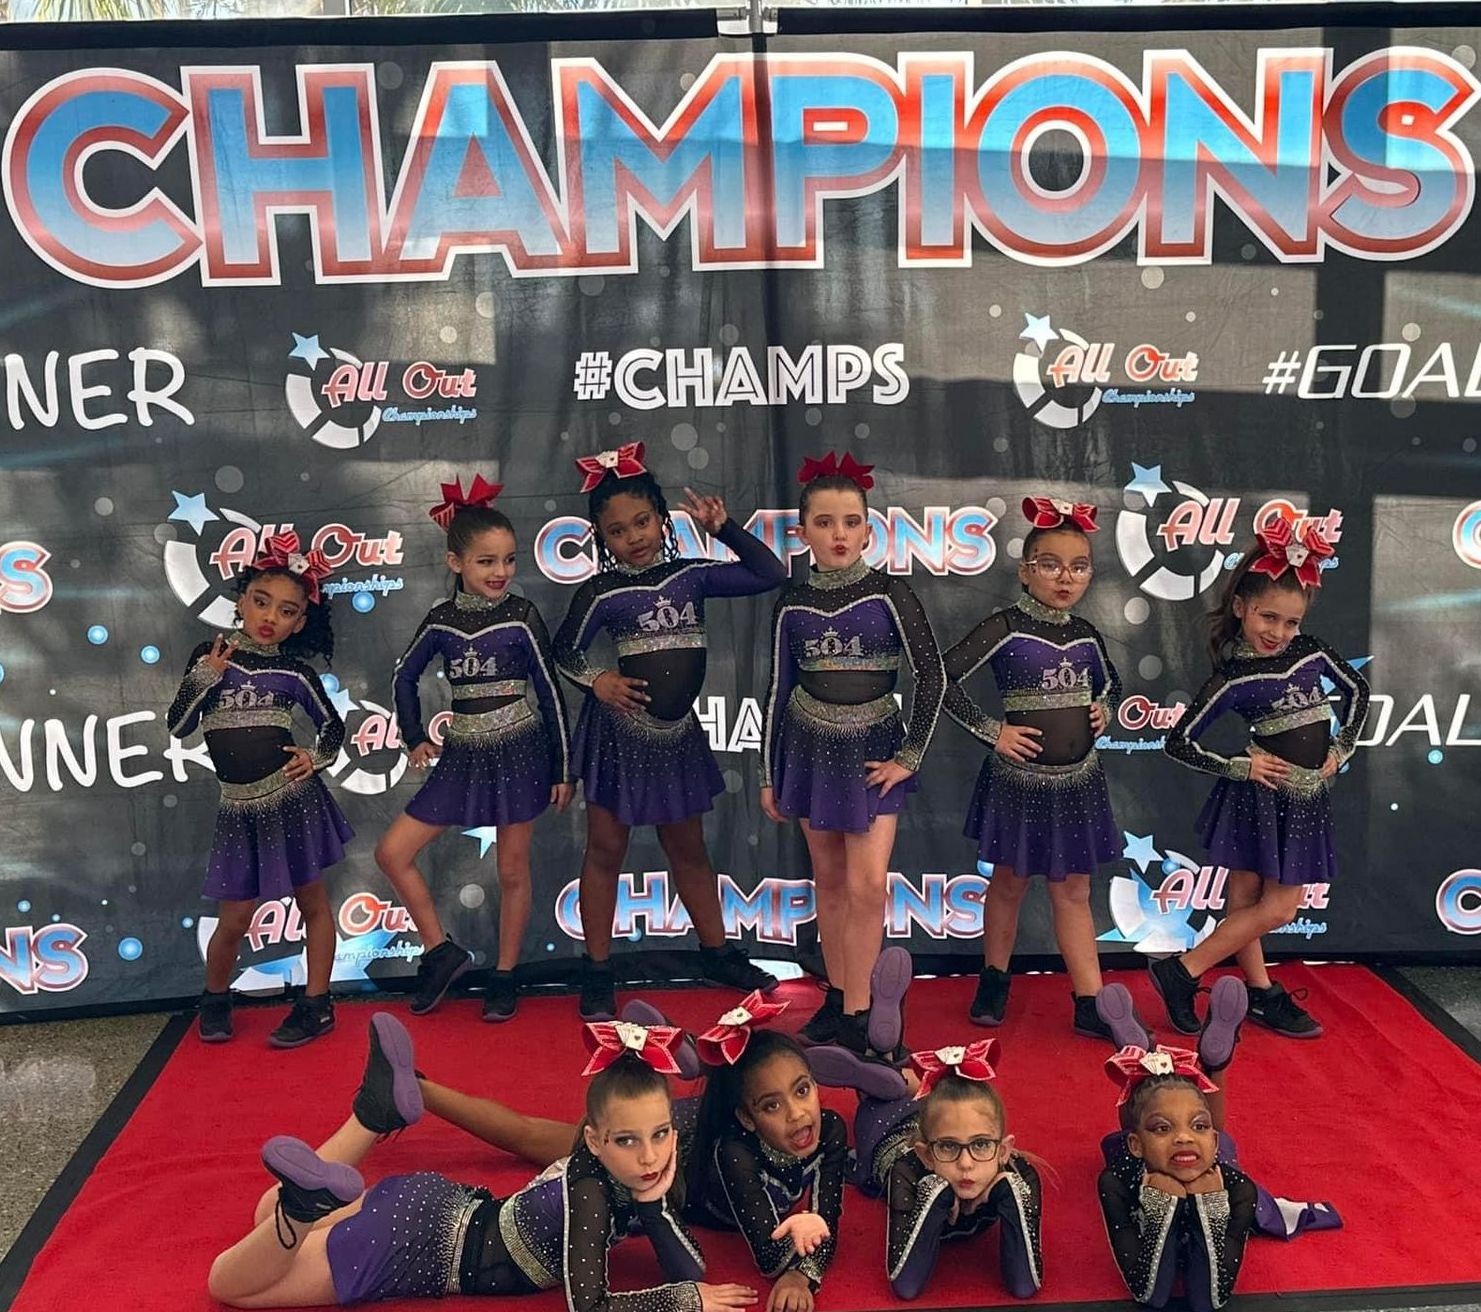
x=1050 y=776
x=474 y=601
x=827 y=579
x=467 y=692
x=489 y=726
x=1045 y=701
x=660 y=642
x=844 y=716
x=1031 y=606
x=254 y=717
x=1292 y=720
x=1301 y=781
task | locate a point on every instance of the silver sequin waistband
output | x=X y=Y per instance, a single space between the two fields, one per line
x=467 y=692
x=1045 y=701
x=838 y=713
x=489 y=724
x=457 y=1234
x=247 y=717
x=258 y=790
x=649 y=726
x=1302 y=781
x=1050 y=776
x=1291 y=720
x=661 y=642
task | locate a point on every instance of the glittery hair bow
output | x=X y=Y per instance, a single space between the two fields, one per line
x=723 y=1042
x=625 y=462
x=1286 y=548
x=831 y=464
x=281 y=552
x=1132 y=1065
x=480 y=495
x=1051 y=512
x=653 y=1045
x=974 y=1062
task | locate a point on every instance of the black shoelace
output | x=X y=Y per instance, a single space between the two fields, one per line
x=282 y=1221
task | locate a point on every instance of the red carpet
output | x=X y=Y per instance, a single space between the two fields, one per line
x=1376 y=1117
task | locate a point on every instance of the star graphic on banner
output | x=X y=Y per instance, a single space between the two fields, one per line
x=1147 y=479
x=1038 y=330
x=192 y=510
x=487 y=836
x=308 y=349
x=342 y=701
x=1139 y=850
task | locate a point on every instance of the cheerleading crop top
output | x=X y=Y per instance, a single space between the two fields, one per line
x=557 y=1231
x=491 y=651
x=1153 y=1235
x=656 y=617
x=1050 y=667
x=752 y=1186
x=839 y=636
x=246 y=712
x=1283 y=700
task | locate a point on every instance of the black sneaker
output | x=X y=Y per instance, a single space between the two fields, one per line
x=436 y=972
x=1087 y=1019
x=1228 y=1004
x=215 y=1016
x=853 y=1036
x=1118 y=1018
x=598 y=993
x=992 y=996
x=389 y=1098
x=309 y=1187
x=823 y=1026
x=1280 y=1011
x=1178 y=989
x=730 y=967
x=501 y=1000
x=308 y=1020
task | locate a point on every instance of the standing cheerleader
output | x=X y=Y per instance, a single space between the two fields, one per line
x=640 y=751
x=320 y=1237
x=1041 y=806
x=277 y=828
x=1173 y=1196
x=501 y=764
x=835 y=755
x=1268 y=818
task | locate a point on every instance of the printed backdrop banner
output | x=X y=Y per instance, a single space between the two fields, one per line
x=1199 y=280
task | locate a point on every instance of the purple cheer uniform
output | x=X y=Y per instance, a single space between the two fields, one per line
x=1050 y=816
x=920 y=1202
x=1283 y=834
x=499 y=757
x=836 y=644
x=654 y=766
x=272 y=834
x=424 y=1236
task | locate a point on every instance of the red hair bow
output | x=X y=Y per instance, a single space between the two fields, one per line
x=830 y=464
x=653 y=1045
x=1051 y=512
x=1132 y=1065
x=1287 y=548
x=281 y=552
x=723 y=1042
x=625 y=462
x=480 y=494
x=974 y=1062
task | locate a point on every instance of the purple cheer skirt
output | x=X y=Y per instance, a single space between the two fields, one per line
x=644 y=771
x=273 y=836
x=494 y=770
x=819 y=771
x=1281 y=834
x=1050 y=820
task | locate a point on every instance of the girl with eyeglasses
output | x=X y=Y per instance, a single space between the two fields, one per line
x=1041 y=806
x=944 y=1162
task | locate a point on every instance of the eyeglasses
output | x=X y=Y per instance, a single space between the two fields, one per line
x=981 y=1148
x=1056 y=569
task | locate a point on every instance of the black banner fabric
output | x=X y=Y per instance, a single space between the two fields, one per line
x=1199 y=280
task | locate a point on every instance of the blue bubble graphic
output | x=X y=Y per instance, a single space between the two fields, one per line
x=130 y=949
x=984 y=868
x=149 y=655
x=1435 y=756
x=97 y=635
x=330 y=682
x=23 y=907
x=550 y=947
x=364 y=602
x=187 y=922
x=55 y=918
